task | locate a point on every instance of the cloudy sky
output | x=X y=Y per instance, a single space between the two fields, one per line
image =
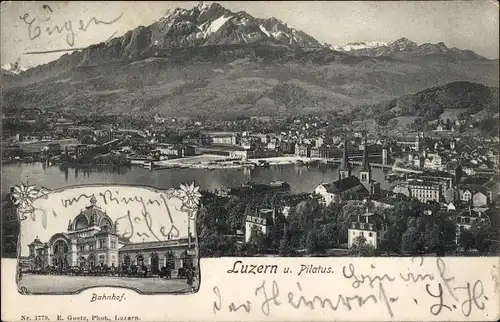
x=463 y=24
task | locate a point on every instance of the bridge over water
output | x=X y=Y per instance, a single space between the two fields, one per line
x=359 y=162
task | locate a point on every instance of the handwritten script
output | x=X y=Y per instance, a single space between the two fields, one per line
x=110 y=198
x=442 y=292
x=35 y=30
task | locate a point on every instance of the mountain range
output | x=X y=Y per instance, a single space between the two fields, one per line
x=208 y=61
x=404 y=48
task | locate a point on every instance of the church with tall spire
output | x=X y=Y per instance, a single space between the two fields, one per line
x=348 y=186
x=365 y=173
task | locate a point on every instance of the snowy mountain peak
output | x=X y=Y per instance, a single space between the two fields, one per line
x=215 y=25
x=13 y=68
x=402 y=40
x=405 y=48
x=362 y=45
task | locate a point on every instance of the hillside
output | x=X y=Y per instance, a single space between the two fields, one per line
x=446 y=101
x=260 y=84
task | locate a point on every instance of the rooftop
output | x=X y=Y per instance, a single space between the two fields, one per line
x=423 y=184
x=223 y=147
x=155 y=244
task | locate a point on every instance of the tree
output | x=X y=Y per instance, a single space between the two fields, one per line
x=344 y=220
x=409 y=240
x=483 y=237
x=361 y=248
x=392 y=240
x=261 y=241
x=311 y=242
x=449 y=229
x=217 y=245
x=326 y=235
x=285 y=248
x=434 y=240
x=466 y=239
x=366 y=250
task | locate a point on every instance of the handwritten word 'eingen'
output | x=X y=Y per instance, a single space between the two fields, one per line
x=35 y=31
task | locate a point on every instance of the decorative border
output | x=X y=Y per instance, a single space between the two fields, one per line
x=25 y=195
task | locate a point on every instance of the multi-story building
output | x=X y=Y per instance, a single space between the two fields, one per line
x=286 y=147
x=232 y=151
x=220 y=138
x=175 y=150
x=425 y=191
x=267 y=221
x=410 y=142
x=433 y=161
x=466 y=194
x=315 y=152
x=468 y=217
x=371 y=226
x=303 y=150
x=92 y=239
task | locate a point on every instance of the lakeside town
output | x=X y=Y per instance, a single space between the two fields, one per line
x=442 y=199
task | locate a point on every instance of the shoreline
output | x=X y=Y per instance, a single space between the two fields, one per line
x=223 y=163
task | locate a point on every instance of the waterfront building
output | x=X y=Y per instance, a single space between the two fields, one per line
x=342 y=189
x=286 y=147
x=220 y=138
x=347 y=186
x=232 y=151
x=175 y=150
x=302 y=150
x=315 y=152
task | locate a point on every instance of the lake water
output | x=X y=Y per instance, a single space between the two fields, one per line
x=301 y=179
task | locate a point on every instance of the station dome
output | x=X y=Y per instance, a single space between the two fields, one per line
x=92 y=215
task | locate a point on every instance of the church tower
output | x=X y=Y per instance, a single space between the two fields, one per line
x=385 y=155
x=365 y=174
x=345 y=166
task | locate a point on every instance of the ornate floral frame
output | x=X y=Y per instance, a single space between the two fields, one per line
x=24 y=196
